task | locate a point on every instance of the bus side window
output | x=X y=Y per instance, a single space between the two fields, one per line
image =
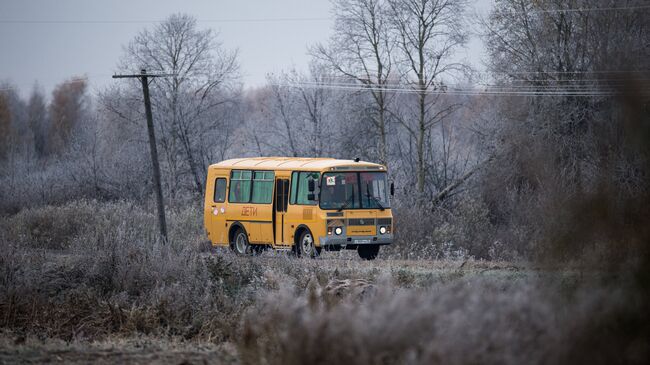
x=240 y=186
x=302 y=195
x=262 y=187
x=299 y=187
x=294 y=187
x=220 y=190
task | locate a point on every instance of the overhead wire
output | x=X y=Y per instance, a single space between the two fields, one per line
x=455 y=91
x=281 y=19
x=573 y=10
x=574 y=85
x=152 y=21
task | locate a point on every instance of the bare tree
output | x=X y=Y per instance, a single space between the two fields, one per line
x=281 y=104
x=360 y=50
x=187 y=105
x=430 y=31
x=567 y=50
x=298 y=113
x=554 y=147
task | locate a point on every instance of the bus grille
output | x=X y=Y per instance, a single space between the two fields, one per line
x=361 y=222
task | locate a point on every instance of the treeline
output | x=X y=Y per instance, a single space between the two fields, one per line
x=484 y=163
x=38 y=129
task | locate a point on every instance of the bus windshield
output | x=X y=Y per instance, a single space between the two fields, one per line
x=354 y=190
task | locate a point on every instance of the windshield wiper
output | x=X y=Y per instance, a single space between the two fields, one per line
x=381 y=207
x=347 y=201
x=345 y=205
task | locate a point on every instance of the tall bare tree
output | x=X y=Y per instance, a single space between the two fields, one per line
x=572 y=51
x=360 y=50
x=297 y=112
x=567 y=141
x=429 y=32
x=189 y=106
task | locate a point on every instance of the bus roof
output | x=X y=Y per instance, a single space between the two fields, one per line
x=292 y=163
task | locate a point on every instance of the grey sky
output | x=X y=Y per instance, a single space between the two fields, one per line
x=49 y=53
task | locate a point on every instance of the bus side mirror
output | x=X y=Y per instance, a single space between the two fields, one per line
x=311 y=186
x=311 y=196
x=392 y=189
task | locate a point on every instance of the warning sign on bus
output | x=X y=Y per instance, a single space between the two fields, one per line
x=330 y=180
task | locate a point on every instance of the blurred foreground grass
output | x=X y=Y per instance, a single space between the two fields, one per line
x=85 y=276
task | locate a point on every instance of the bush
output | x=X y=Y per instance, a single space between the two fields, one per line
x=105 y=271
x=459 y=233
x=476 y=321
x=87 y=223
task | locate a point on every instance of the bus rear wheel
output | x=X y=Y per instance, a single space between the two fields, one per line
x=368 y=252
x=240 y=243
x=306 y=246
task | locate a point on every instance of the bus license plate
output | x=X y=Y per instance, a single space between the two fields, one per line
x=361 y=241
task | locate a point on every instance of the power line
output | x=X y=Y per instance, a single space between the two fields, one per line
x=402 y=86
x=274 y=20
x=456 y=91
x=621 y=8
x=564 y=72
x=151 y=21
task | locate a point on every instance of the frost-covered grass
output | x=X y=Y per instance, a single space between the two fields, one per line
x=91 y=271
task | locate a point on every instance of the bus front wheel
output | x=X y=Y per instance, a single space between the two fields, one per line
x=368 y=252
x=306 y=246
x=240 y=243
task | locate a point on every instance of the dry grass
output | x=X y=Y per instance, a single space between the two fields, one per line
x=97 y=273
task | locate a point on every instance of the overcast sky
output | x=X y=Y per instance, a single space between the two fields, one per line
x=39 y=45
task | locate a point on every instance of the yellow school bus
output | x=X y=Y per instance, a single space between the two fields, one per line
x=302 y=204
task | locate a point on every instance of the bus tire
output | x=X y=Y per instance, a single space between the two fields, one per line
x=368 y=252
x=306 y=246
x=240 y=243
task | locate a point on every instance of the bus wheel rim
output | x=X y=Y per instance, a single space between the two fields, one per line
x=241 y=244
x=306 y=243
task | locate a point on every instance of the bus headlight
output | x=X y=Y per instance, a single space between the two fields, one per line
x=382 y=230
x=338 y=231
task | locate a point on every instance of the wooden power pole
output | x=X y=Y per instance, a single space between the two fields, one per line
x=144 y=77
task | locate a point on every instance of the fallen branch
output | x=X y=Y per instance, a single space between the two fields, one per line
x=449 y=188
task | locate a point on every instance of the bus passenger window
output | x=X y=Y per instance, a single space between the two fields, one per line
x=240 y=186
x=220 y=190
x=262 y=187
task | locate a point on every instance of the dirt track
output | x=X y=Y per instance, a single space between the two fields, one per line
x=116 y=352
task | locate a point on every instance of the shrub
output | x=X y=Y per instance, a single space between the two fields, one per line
x=462 y=232
x=105 y=271
x=477 y=321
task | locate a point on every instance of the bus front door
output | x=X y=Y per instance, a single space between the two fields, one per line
x=280 y=202
x=218 y=228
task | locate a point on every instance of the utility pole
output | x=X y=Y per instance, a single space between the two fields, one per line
x=143 y=76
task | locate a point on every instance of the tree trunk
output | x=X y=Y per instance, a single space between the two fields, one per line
x=420 y=143
x=383 y=153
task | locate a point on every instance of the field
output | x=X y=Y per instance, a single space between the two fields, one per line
x=345 y=278
x=88 y=280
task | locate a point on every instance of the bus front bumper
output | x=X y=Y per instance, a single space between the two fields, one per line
x=385 y=239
